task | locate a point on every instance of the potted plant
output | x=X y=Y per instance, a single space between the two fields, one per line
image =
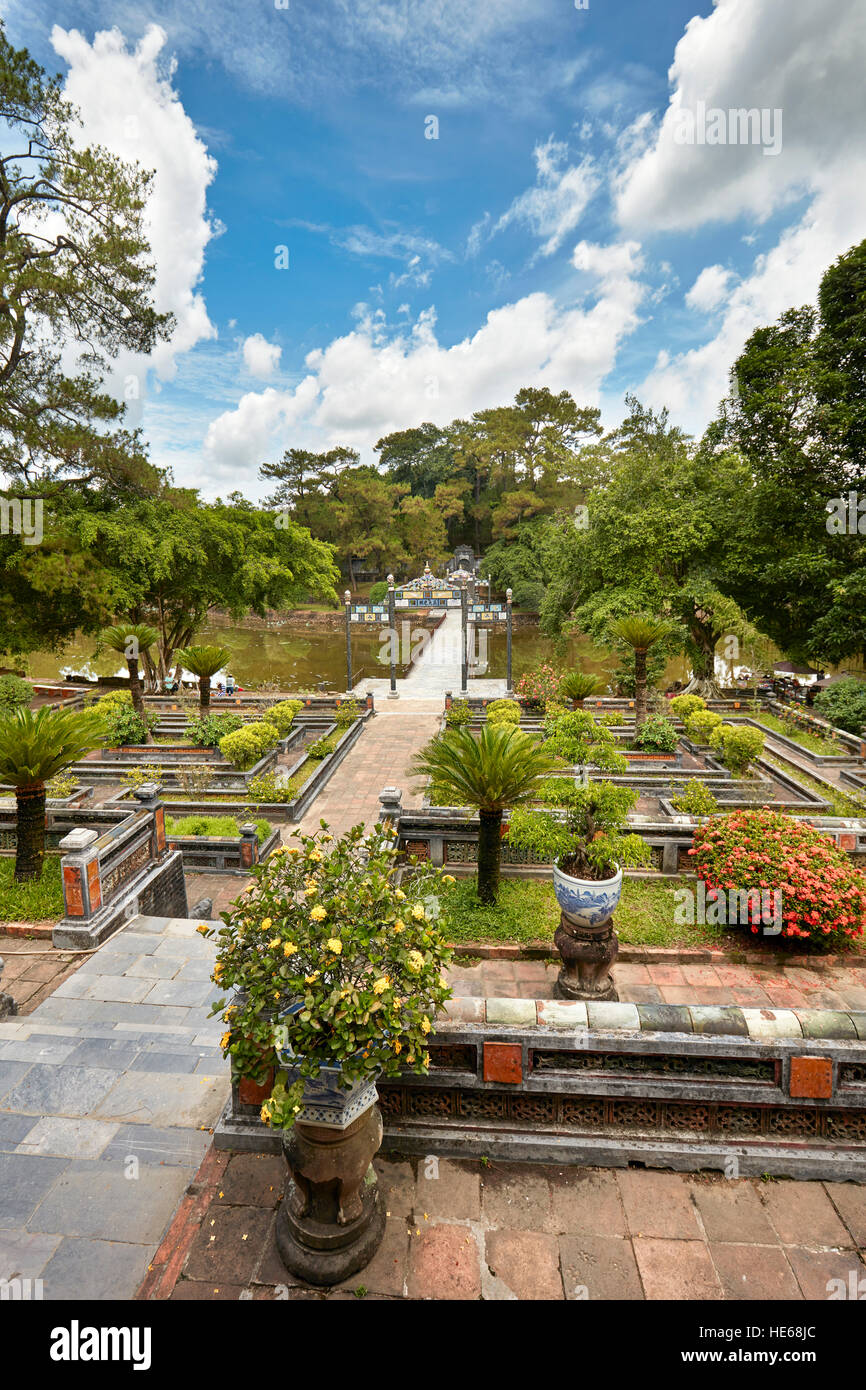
x=581 y=828
x=336 y=966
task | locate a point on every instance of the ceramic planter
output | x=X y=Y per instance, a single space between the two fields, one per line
x=587 y=902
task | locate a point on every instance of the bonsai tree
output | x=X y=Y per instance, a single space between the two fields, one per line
x=204 y=662
x=498 y=770
x=33 y=749
x=132 y=640
x=641 y=634
x=582 y=830
x=579 y=685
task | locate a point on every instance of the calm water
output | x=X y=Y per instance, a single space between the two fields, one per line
x=299 y=658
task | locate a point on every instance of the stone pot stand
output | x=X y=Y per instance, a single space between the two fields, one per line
x=331 y=1220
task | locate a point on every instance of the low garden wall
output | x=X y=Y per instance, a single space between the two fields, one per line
x=745 y=1091
x=222 y=854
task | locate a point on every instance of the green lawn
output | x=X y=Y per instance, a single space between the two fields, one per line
x=527 y=911
x=841 y=802
x=813 y=743
x=31 y=902
x=212 y=825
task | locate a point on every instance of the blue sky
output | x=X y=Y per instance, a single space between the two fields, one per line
x=556 y=232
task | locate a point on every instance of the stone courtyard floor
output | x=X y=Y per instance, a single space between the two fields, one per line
x=470 y=1231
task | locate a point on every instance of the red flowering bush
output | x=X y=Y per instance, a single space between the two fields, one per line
x=823 y=894
x=539 y=687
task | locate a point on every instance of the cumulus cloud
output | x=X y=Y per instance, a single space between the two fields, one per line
x=128 y=105
x=261 y=358
x=710 y=288
x=378 y=378
x=762 y=54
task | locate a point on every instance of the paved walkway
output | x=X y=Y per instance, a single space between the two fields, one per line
x=108 y=1091
x=511 y=1232
x=792 y=986
x=437 y=668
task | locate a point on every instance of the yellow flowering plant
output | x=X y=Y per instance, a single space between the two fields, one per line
x=335 y=955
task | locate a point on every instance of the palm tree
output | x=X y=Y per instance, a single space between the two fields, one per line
x=34 y=748
x=579 y=685
x=499 y=769
x=641 y=634
x=132 y=640
x=204 y=662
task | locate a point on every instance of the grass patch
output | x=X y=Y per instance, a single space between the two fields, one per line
x=527 y=910
x=842 y=803
x=813 y=743
x=213 y=825
x=36 y=901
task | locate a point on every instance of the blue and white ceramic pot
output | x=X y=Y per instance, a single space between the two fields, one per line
x=587 y=902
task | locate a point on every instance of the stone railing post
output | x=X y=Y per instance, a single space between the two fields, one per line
x=79 y=867
x=249 y=846
x=390 y=804
x=147 y=796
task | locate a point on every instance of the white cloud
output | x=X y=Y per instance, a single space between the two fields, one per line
x=710 y=288
x=128 y=105
x=764 y=54
x=555 y=205
x=379 y=378
x=261 y=358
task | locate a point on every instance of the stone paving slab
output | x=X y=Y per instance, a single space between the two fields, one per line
x=506 y=1232
x=106 y=1107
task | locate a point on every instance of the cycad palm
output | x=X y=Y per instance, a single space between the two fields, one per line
x=499 y=769
x=132 y=640
x=641 y=634
x=34 y=748
x=204 y=662
x=579 y=685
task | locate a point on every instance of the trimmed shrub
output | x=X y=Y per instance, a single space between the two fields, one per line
x=700 y=725
x=348 y=712
x=114 y=697
x=822 y=893
x=379 y=592
x=123 y=726
x=282 y=716
x=246 y=745
x=539 y=687
x=268 y=790
x=323 y=746
x=657 y=735
x=458 y=715
x=844 y=704
x=694 y=799
x=206 y=732
x=684 y=705
x=503 y=712
x=738 y=745
x=15 y=693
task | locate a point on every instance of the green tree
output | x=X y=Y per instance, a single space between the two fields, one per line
x=498 y=770
x=34 y=747
x=77 y=286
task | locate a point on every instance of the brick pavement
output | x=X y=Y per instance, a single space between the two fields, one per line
x=498 y=1231
x=794 y=986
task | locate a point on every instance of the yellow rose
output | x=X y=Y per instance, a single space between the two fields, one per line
x=289 y=948
x=415 y=960
x=202 y=928
x=316 y=856
x=266 y=924
x=217 y=972
x=381 y=985
x=293 y=851
x=399 y=894
x=274 y=942
x=399 y=925
x=326 y=839
x=225 y=1040
x=418 y=912
x=398 y=1046
x=334 y=944
x=425 y=1024
x=448 y=878
x=311 y=979
x=318 y=914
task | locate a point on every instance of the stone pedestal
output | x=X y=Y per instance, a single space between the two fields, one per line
x=587 y=955
x=331 y=1220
